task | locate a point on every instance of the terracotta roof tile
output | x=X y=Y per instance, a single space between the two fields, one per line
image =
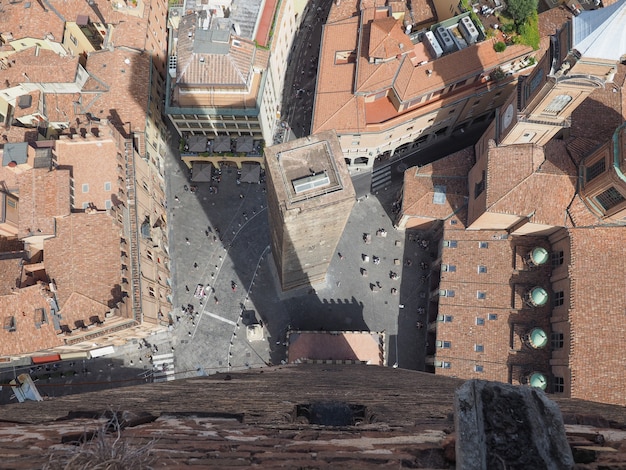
x=231 y=69
x=450 y=173
x=335 y=105
x=85 y=257
x=607 y=107
x=27 y=337
x=579 y=214
x=92 y=162
x=36 y=22
x=596 y=315
x=40 y=66
x=337 y=346
x=124 y=72
x=517 y=176
x=62 y=107
x=19 y=111
x=10 y=272
x=580 y=147
x=44 y=195
x=130 y=32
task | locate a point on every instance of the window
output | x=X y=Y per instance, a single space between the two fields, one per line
x=482 y=269
x=610 y=198
x=446 y=365
x=107 y=204
x=151 y=291
x=557 y=341
x=85 y=188
x=449 y=268
x=149 y=255
x=479 y=348
x=559 y=385
x=594 y=170
x=85 y=205
x=107 y=186
x=73 y=39
x=492 y=316
x=444 y=344
x=446 y=293
x=483 y=244
x=558 y=299
x=11 y=203
x=480 y=186
x=444 y=318
x=556 y=258
x=478 y=368
x=450 y=243
x=480 y=321
x=481 y=295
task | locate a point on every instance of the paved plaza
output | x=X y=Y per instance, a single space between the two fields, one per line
x=221 y=243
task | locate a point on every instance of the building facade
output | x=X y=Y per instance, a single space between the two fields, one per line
x=226 y=73
x=393 y=78
x=82 y=174
x=524 y=247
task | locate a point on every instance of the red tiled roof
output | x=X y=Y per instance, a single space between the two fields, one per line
x=85 y=257
x=517 y=176
x=44 y=195
x=450 y=173
x=361 y=346
x=40 y=66
x=336 y=106
x=93 y=162
x=125 y=74
x=22 y=306
x=36 y=22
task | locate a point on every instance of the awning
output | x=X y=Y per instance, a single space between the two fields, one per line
x=250 y=173
x=245 y=143
x=201 y=172
x=221 y=143
x=197 y=143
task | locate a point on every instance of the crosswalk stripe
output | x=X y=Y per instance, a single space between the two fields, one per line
x=160 y=375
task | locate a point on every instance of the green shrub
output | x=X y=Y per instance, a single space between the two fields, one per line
x=499 y=46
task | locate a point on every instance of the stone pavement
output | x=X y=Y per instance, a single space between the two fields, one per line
x=213 y=338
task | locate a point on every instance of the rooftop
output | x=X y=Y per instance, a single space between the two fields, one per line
x=405 y=65
x=85 y=257
x=336 y=347
x=439 y=190
x=121 y=95
x=44 y=195
x=311 y=169
x=27 y=320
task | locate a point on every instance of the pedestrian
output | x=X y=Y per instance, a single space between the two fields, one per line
x=340 y=255
x=187 y=288
x=206 y=232
x=176 y=198
x=189 y=333
x=195 y=265
x=187 y=241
